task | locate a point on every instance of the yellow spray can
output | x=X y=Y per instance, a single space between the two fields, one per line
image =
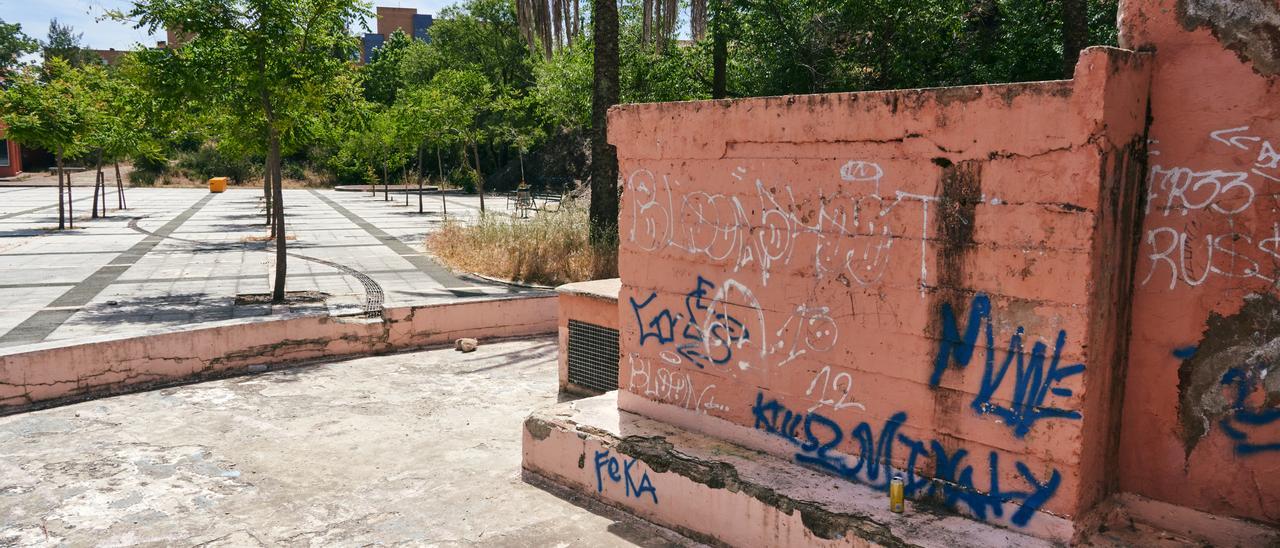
x=897 y=495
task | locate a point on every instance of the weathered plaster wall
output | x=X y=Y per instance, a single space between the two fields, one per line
x=50 y=373
x=1202 y=405
x=926 y=279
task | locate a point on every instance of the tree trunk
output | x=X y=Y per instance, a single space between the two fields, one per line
x=119 y=186
x=71 y=209
x=93 y=212
x=719 y=50
x=420 y=178
x=604 y=157
x=266 y=192
x=1075 y=33
x=62 y=220
x=277 y=214
x=386 y=188
x=479 y=175
x=444 y=206
x=97 y=183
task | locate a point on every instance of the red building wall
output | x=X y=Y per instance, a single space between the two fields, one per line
x=14 y=164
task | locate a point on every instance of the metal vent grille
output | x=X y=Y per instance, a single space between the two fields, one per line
x=593 y=356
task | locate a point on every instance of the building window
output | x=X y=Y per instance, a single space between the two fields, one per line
x=4 y=153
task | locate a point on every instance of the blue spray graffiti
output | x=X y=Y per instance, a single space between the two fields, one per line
x=1243 y=418
x=1243 y=424
x=817 y=436
x=1032 y=382
x=704 y=345
x=623 y=471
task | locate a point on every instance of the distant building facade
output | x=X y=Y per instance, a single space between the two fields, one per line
x=110 y=57
x=10 y=155
x=406 y=20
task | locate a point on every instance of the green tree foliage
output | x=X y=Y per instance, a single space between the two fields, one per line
x=64 y=43
x=263 y=64
x=807 y=46
x=382 y=75
x=480 y=36
x=14 y=44
x=45 y=107
x=563 y=89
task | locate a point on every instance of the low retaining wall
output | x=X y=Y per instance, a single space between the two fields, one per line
x=51 y=373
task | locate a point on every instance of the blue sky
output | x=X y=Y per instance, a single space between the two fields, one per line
x=83 y=15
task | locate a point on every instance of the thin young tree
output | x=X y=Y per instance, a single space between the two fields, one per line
x=265 y=62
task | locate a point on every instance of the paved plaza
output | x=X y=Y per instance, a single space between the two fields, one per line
x=412 y=449
x=181 y=256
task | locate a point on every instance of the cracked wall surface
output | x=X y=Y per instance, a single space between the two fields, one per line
x=1201 y=422
x=904 y=278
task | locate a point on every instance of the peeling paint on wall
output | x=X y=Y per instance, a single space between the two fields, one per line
x=1250 y=28
x=1231 y=379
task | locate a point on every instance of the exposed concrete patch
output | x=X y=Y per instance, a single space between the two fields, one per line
x=1250 y=28
x=1247 y=342
x=413 y=449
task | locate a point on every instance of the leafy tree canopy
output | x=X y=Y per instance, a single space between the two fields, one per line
x=14 y=44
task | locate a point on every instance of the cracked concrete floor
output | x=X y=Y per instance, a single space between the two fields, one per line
x=419 y=448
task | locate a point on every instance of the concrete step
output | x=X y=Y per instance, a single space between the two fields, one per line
x=720 y=493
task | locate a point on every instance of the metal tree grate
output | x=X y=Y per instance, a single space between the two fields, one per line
x=593 y=356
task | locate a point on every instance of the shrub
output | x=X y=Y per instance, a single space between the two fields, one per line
x=549 y=249
x=465 y=178
x=294 y=170
x=207 y=161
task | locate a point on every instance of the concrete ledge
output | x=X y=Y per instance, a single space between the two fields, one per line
x=721 y=493
x=53 y=373
x=606 y=289
x=1205 y=528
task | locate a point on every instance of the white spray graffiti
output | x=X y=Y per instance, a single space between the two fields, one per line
x=841 y=385
x=851 y=234
x=1190 y=199
x=669 y=385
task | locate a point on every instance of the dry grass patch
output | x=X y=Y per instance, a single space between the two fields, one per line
x=549 y=249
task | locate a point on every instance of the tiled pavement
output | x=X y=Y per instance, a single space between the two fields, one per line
x=180 y=256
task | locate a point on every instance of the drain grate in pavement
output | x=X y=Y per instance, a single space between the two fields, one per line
x=373 y=297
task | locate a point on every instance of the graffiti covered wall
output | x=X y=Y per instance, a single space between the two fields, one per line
x=1202 y=408
x=920 y=282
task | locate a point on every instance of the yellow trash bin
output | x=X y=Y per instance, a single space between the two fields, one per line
x=218 y=184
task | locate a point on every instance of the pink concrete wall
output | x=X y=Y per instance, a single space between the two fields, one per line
x=48 y=373
x=852 y=273
x=1202 y=404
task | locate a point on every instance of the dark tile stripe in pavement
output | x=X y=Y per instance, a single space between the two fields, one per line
x=61 y=253
x=127 y=281
x=30 y=286
x=41 y=208
x=44 y=322
x=424 y=264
